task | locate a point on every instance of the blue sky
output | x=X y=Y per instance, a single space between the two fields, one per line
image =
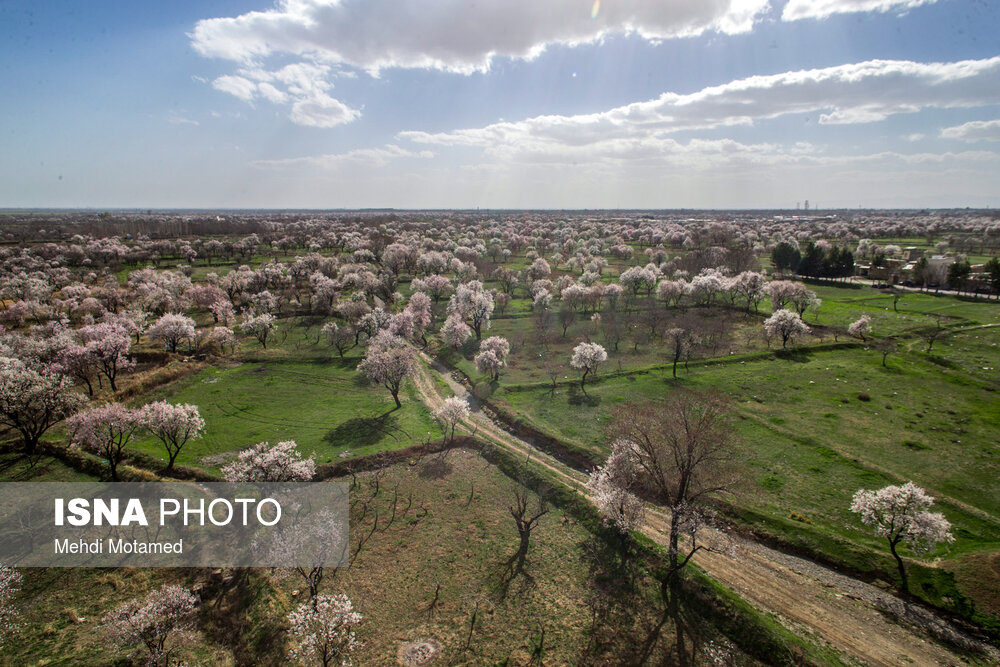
x=515 y=104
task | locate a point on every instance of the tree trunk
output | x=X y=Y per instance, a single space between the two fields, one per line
x=899 y=564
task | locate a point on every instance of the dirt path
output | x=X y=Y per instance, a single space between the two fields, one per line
x=844 y=613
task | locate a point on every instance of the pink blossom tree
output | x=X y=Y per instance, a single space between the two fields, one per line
x=587 y=357
x=105 y=431
x=455 y=331
x=436 y=286
x=388 y=361
x=31 y=402
x=150 y=621
x=402 y=325
x=109 y=344
x=174 y=425
x=419 y=308
x=899 y=515
x=453 y=412
x=264 y=463
x=222 y=311
x=323 y=631
x=77 y=362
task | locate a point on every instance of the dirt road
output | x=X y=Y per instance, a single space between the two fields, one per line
x=844 y=613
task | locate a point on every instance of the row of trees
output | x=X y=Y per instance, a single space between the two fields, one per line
x=820 y=260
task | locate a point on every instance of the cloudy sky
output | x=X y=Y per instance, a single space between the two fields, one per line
x=512 y=104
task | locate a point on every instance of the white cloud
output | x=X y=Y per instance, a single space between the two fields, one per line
x=854 y=93
x=371 y=157
x=916 y=136
x=820 y=9
x=270 y=93
x=175 y=118
x=457 y=36
x=977 y=130
x=236 y=86
x=321 y=110
x=302 y=85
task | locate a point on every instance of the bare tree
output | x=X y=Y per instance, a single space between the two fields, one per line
x=679 y=453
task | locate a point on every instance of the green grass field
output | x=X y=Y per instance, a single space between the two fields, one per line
x=817 y=426
x=324 y=405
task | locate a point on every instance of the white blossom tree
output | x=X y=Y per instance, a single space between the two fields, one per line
x=636 y=278
x=172 y=329
x=455 y=331
x=609 y=485
x=10 y=584
x=785 y=324
x=899 y=515
x=264 y=463
x=258 y=326
x=341 y=338
x=671 y=291
x=150 y=621
x=492 y=357
x=472 y=302
x=323 y=631
x=452 y=413
x=861 y=327
x=388 y=361
x=587 y=357
x=174 y=425
x=31 y=402
x=223 y=337
x=749 y=287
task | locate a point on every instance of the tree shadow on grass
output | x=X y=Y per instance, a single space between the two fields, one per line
x=435 y=466
x=578 y=396
x=798 y=355
x=344 y=363
x=364 y=431
x=32 y=469
x=619 y=620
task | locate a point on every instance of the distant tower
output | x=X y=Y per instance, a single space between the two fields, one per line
x=797 y=206
x=807 y=206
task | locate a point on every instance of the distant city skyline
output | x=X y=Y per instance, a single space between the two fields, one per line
x=345 y=104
